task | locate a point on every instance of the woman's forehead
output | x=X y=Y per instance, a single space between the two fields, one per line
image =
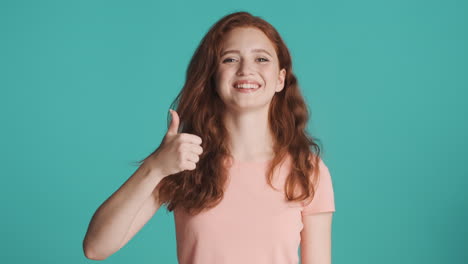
x=251 y=40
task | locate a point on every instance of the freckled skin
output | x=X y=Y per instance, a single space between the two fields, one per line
x=246 y=64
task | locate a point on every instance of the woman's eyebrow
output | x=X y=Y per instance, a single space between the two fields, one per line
x=237 y=51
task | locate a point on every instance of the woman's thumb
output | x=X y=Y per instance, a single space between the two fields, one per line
x=174 y=126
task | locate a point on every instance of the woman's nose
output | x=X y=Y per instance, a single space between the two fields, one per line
x=244 y=68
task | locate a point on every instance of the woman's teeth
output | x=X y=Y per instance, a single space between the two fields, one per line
x=247 y=86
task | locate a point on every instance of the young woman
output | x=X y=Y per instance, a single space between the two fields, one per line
x=237 y=166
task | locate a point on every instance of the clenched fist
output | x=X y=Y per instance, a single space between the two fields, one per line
x=177 y=152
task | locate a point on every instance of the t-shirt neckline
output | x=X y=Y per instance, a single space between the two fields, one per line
x=251 y=162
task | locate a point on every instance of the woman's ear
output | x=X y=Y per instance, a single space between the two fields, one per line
x=281 y=78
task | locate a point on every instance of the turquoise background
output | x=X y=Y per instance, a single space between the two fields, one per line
x=86 y=87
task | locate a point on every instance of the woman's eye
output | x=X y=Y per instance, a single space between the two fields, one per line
x=228 y=60
x=231 y=60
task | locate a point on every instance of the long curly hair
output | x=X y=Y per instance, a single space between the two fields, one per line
x=201 y=111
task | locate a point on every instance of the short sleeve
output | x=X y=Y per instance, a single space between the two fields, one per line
x=324 y=200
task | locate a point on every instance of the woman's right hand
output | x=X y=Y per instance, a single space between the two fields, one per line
x=177 y=152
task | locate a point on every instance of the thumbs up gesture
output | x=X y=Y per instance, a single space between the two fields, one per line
x=178 y=151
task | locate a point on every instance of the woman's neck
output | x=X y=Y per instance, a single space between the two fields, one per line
x=250 y=135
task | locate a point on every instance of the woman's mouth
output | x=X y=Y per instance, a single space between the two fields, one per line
x=247 y=88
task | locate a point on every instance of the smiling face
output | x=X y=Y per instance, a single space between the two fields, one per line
x=248 y=56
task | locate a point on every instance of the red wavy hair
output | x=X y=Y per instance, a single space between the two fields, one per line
x=201 y=111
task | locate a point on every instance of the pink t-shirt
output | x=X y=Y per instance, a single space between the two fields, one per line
x=253 y=223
